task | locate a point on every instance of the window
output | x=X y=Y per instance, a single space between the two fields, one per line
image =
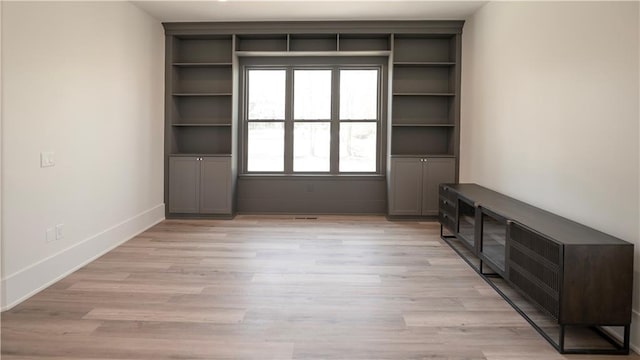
x=265 y=117
x=358 y=120
x=312 y=119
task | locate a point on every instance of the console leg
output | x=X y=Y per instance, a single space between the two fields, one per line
x=627 y=335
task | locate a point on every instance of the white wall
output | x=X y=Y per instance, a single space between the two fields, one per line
x=85 y=80
x=1 y=246
x=550 y=110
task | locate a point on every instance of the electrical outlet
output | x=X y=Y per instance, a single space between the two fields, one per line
x=50 y=234
x=47 y=159
x=59 y=231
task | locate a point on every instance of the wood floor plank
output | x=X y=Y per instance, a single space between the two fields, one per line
x=216 y=316
x=276 y=287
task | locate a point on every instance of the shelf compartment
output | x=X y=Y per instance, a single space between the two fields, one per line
x=201 y=140
x=202 y=64
x=201 y=125
x=202 y=80
x=423 y=79
x=313 y=42
x=200 y=49
x=364 y=42
x=423 y=125
x=202 y=110
x=267 y=42
x=422 y=141
x=423 y=63
x=422 y=110
x=423 y=48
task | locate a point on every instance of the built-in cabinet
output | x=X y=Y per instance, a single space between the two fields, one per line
x=414 y=184
x=199 y=133
x=424 y=119
x=200 y=185
x=421 y=113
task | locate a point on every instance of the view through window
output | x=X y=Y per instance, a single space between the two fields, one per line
x=332 y=125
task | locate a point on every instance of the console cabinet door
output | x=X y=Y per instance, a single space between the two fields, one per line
x=405 y=186
x=435 y=171
x=184 y=180
x=215 y=185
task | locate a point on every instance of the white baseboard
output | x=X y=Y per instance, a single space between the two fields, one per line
x=27 y=282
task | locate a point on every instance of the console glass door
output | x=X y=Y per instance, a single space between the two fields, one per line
x=466 y=222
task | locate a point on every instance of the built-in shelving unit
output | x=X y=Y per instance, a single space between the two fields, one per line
x=425 y=95
x=424 y=129
x=199 y=132
x=314 y=44
x=202 y=93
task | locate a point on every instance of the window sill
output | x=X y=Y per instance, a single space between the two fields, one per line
x=312 y=176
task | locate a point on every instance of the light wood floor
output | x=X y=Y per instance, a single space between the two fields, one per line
x=275 y=288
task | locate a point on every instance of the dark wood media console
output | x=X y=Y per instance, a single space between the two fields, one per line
x=577 y=277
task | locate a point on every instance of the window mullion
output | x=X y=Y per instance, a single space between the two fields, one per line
x=335 y=120
x=288 y=123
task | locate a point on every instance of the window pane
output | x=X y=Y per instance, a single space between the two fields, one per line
x=266 y=94
x=358 y=147
x=311 y=146
x=312 y=94
x=358 y=94
x=265 y=147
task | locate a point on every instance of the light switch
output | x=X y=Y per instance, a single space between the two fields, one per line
x=47 y=159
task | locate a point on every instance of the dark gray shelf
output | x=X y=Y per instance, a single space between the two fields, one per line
x=422 y=94
x=202 y=49
x=313 y=42
x=413 y=140
x=424 y=125
x=202 y=94
x=202 y=64
x=364 y=42
x=423 y=79
x=423 y=63
x=423 y=48
x=201 y=110
x=420 y=109
x=202 y=79
x=406 y=156
x=203 y=125
x=262 y=42
x=201 y=140
x=199 y=154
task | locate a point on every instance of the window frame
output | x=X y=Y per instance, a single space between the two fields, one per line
x=335 y=64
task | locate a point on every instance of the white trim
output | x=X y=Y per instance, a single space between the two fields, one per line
x=25 y=283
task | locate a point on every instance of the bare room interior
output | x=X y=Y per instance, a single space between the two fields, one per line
x=262 y=179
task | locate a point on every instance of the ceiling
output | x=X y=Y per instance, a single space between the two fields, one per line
x=296 y=10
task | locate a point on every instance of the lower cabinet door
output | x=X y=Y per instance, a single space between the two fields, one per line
x=405 y=187
x=184 y=180
x=435 y=171
x=215 y=185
